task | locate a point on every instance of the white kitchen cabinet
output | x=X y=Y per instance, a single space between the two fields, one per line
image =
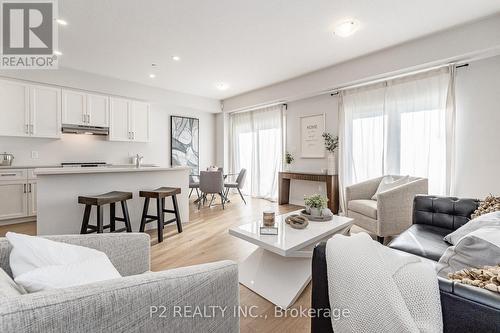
x=84 y=109
x=14 y=107
x=140 y=121
x=129 y=120
x=97 y=110
x=31 y=192
x=18 y=194
x=119 y=129
x=45 y=112
x=74 y=107
x=29 y=110
x=13 y=199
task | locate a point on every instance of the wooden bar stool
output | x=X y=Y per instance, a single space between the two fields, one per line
x=99 y=201
x=160 y=194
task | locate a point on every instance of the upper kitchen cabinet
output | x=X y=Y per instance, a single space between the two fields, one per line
x=98 y=110
x=129 y=120
x=28 y=110
x=45 y=112
x=119 y=129
x=140 y=121
x=81 y=108
x=14 y=106
x=74 y=108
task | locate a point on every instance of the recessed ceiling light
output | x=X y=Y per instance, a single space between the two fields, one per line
x=176 y=58
x=222 y=86
x=61 y=22
x=346 y=28
x=58 y=53
x=152 y=76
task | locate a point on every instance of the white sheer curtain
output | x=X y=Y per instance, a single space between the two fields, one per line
x=404 y=126
x=257 y=145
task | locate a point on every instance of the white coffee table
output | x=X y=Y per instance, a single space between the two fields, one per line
x=280 y=268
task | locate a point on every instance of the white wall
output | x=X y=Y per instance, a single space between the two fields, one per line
x=321 y=104
x=478 y=129
x=454 y=44
x=75 y=148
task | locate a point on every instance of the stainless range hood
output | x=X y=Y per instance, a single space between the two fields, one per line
x=82 y=129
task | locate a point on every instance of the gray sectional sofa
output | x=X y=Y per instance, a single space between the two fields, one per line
x=141 y=301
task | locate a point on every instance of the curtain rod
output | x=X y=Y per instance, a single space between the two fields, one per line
x=336 y=91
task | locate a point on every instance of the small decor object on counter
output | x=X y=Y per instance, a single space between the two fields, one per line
x=6 y=159
x=288 y=160
x=297 y=221
x=268 y=218
x=315 y=204
x=331 y=145
x=268 y=231
x=488 y=205
x=487 y=277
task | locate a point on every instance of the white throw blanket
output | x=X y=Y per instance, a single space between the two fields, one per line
x=383 y=290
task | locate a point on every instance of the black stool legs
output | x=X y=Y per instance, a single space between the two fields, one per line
x=99 y=201
x=160 y=212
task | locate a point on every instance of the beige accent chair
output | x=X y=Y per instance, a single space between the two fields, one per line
x=391 y=213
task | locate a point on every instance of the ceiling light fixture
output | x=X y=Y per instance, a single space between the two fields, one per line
x=152 y=76
x=176 y=58
x=61 y=22
x=222 y=86
x=57 y=53
x=346 y=28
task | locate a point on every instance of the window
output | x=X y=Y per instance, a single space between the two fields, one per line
x=399 y=127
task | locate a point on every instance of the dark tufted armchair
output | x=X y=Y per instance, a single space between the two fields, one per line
x=465 y=308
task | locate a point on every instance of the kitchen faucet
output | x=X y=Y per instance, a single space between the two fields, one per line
x=138 y=160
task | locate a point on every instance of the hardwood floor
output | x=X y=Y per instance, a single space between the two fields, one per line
x=205 y=239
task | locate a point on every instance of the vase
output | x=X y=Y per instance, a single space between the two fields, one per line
x=316 y=211
x=332 y=163
x=286 y=167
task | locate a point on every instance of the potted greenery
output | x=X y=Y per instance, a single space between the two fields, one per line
x=331 y=145
x=288 y=160
x=315 y=204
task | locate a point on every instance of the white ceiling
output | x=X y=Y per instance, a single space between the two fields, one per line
x=247 y=44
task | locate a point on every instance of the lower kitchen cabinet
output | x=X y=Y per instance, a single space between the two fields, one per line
x=17 y=194
x=13 y=199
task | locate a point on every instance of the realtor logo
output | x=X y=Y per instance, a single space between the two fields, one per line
x=29 y=34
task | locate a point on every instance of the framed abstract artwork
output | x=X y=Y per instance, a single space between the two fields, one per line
x=184 y=142
x=311 y=140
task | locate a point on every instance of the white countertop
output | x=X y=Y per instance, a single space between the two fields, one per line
x=109 y=169
x=8 y=167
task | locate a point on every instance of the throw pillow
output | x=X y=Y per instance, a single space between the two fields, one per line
x=478 y=248
x=8 y=287
x=488 y=205
x=487 y=220
x=41 y=264
x=388 y=183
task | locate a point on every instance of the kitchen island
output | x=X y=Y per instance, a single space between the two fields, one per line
x=58 y=211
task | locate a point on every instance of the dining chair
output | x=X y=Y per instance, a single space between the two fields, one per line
x=211 y=182
x=194 y=185
x=238 y=184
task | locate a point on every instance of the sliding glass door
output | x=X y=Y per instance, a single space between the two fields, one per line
x=256 y=145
